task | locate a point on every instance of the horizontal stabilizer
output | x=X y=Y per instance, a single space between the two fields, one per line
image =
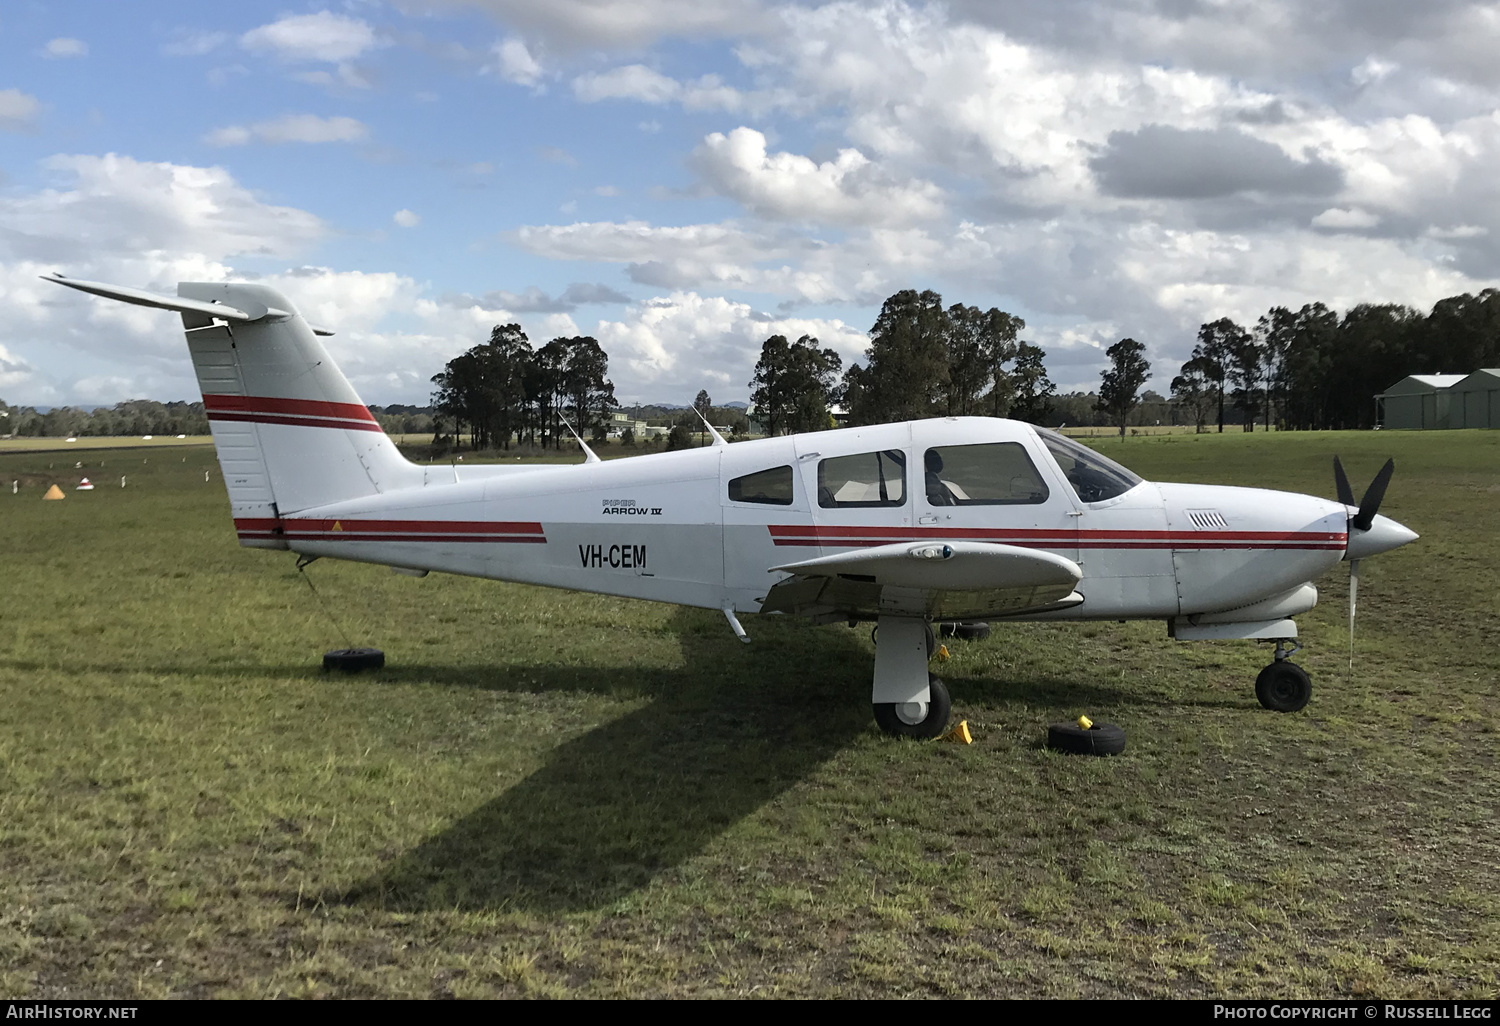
x=142 y=298
x=178 y=304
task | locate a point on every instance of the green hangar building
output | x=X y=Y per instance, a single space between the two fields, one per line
x=1418 y=402
x=1475 y=401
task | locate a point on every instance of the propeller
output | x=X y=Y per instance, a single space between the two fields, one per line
x=1360 y=521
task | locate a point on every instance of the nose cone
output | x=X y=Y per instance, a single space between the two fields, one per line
x=1383 y=536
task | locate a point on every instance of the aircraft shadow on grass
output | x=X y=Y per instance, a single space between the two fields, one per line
x=626 y=801
x=633 y=798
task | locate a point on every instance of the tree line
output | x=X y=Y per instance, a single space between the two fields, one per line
x=924 y=360
x=1313 y=369
x=134 y=417
x=1310 y=369
x=503 y=389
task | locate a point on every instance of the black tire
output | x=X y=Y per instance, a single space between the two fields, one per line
x=353 y=660
x=1100 y=739
x=970 y=631
x=939 y=712
x=1283 y=687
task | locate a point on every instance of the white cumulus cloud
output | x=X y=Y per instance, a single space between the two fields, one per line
x=406 y=219
x=788 y=186
x=575 y=24
x=516 y=63
x=17 y=109
x=64 y=46
x=630 y=82
x=673 y=345
x=327 y=37
x=1345 y=217
x=301 y=128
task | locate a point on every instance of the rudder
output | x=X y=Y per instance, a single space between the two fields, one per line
x=290 y=431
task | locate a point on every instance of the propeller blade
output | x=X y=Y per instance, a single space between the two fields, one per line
x=1370 y=504
x=1346 y=494
x=1353 y=598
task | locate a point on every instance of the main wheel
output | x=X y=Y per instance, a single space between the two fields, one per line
x=917 y=719
x=352 y=660
x=1283 y=687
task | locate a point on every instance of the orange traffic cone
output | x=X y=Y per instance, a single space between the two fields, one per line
x=54 y=493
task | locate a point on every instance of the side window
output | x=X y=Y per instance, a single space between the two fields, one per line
x=991 y=474
x=868 y=479
x=773 y=487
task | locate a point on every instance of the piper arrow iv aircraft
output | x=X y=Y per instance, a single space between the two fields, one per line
x=955 y=519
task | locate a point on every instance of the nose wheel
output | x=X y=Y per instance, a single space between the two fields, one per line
x=1283 y=686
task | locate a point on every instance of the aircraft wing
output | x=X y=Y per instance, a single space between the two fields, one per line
x=940 y=580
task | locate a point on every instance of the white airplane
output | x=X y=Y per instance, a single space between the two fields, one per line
x=955 y=519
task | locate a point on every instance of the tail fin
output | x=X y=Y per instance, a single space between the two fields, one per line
x=290 y=431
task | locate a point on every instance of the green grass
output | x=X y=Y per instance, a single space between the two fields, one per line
x=551 y=794
x=62 y=446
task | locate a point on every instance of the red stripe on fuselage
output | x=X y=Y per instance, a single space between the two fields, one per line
x=500 y=531
x=862 y=537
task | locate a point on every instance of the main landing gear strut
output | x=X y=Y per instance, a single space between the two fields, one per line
x=1284 y=686
x=909 y=701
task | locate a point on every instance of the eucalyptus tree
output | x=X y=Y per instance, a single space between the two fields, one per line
x=1119 y=393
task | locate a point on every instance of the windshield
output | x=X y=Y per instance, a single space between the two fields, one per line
x=1094 y=477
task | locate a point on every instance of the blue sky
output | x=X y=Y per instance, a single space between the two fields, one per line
x=682 y=179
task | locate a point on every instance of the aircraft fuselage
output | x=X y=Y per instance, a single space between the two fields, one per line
x=667 y=527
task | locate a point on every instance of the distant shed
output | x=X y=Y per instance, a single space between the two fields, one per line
x=1418 y=402
x=1475 y=401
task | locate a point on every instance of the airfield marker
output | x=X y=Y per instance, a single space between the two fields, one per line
x=15 y=486
x=122 y=480
x=84 y=486
x=54 y=493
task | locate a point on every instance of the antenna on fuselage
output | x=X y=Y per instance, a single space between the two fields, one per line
x=718 y=438
x=589 y=455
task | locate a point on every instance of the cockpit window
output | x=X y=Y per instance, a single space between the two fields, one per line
x=1094 y=477
x=868 y=479
x=772 y=487
x=987 y=474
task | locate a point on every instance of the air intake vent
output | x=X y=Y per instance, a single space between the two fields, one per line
x=1207 y=519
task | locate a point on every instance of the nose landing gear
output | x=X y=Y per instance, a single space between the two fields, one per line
x=1283 y=686
x=908 y=701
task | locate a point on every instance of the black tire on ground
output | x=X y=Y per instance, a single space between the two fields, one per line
x=353 y=660
x=939 y=711
x=966 y=631
x=1100 y=739
x=1283 y=687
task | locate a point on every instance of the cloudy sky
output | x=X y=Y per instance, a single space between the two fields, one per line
x=682 y=178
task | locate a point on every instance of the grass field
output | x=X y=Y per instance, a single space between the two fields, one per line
x=62 y=446
x=557 y=794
